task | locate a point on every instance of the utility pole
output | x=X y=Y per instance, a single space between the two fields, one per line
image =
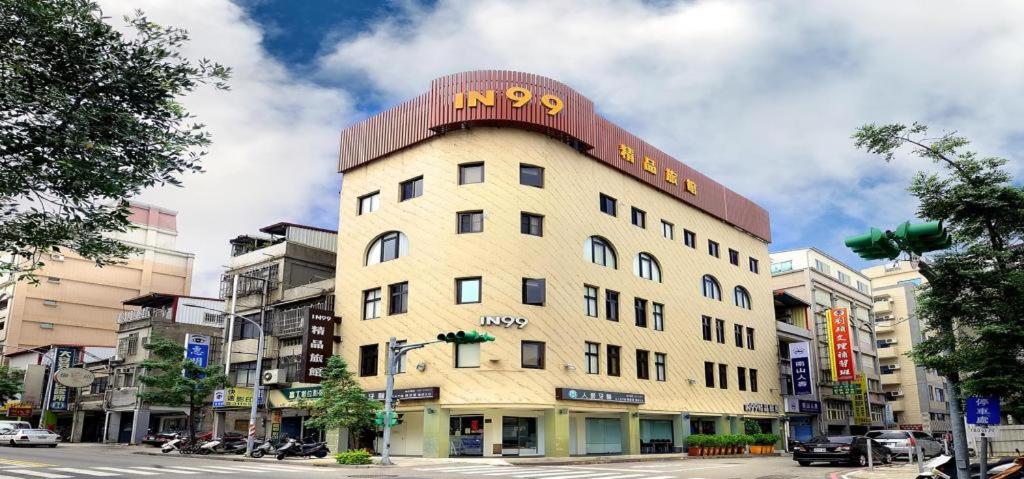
x=257 y=387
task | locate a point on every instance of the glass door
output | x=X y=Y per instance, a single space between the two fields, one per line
x=519 y=436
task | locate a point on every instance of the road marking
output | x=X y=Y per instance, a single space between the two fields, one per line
x=164 y=470
x=581 y=475
x=87 y=472
x=20 y=463
x=129 y=471
x=542 y=473
x=11 y=477
x=239 y=468
x=533 y=472
x=624 y=476
x=45 y=475
x=461 y=468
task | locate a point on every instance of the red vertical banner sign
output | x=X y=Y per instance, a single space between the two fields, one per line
x=840 y=345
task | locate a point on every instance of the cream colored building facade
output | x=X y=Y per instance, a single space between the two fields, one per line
x=495 y=405
x=77 y=303
x=916 y=396
x=825 y=282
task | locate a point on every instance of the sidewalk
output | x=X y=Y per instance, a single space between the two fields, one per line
x=904 y=471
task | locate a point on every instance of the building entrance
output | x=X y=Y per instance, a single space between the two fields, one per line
x=519 y=436
x=604 y=436
x=466 y=436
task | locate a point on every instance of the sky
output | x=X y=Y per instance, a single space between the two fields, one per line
x=761 y=96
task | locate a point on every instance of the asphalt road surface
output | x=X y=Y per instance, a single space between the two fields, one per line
x=67 y=462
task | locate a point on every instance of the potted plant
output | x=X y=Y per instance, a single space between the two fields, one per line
x=745 y=440
x=766 y=443
x=695 y=444
x=733 y=441
x=719 y=444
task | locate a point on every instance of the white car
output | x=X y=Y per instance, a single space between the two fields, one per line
x=29 y=437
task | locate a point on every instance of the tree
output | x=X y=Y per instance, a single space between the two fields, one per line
x=10 y=383
x=342 y=403
x=88 y=118
x=169 y=379
x=971 y=306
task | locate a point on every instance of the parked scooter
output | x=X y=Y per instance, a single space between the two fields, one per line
x=172 y=445
x=222 y=446
x=263 y=448
x=292 y=447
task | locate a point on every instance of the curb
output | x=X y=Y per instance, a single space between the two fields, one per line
x=236 y=458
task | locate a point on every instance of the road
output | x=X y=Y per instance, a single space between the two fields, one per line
x=67 y=462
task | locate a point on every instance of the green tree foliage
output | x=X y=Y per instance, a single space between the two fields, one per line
x=10 y=383
x=88 y=118
x=168 y=379
x=976 y=299
x=342 y=402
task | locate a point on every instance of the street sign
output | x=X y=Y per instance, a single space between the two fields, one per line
x=983 y=410
x=74 y=377
x=800 y=359
x=197 y=349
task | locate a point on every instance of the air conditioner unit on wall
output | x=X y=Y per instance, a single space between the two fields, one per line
x=273 y=376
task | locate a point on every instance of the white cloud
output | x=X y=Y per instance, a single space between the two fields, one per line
x=275 y=137
x=762 y=96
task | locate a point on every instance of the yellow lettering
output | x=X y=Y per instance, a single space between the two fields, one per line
x=626 y=153
x=474 y=97
x=650 y=166
x=553 y=103
x=460 y=100
x=520 y=96
x=691 y=187
x=671 y=176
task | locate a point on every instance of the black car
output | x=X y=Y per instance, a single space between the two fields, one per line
x=840 y=449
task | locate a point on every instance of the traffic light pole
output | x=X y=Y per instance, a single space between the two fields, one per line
x=395 y=353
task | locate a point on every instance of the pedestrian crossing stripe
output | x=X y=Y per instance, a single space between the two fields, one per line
x=547 y=472
x=16 y=462
x=44 y=475
x=68 y=472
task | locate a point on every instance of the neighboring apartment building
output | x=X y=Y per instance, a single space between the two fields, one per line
x=297 y=263
x=638 y=302
x=916 y=396
x=75 y=302
x=825 y=282
x=796 y=334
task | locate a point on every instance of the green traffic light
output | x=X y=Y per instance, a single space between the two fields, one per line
x=923 y=237
x=873 y=245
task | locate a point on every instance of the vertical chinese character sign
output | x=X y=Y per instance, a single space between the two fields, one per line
x=197 y=349
x=800 y=358
x=861 y=410
x=65 y=357
x=317 y=345
x=840 y=346
x=983 y=410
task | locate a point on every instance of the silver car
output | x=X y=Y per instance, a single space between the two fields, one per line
x=902 y=442
x=29 y=437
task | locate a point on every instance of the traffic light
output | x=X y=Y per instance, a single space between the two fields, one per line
x=921 y=238
x=465 y=337
x=381 y=418
x=873 y=245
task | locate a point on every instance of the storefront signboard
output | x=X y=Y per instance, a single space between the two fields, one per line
x=294 y=394
x=802 y=406
x=506 y=321
x=861 y=411
x=317 y=345
x=61 y=395
x=572 y=394
x=407 y=394
x=19 y=409
x=800 y=360
x=760 y=407
x=840 y=345
x=912 y=427
x=235 y=397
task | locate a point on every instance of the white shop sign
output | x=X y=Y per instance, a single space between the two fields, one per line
x=506 y=321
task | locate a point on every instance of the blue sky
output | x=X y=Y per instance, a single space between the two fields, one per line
x=761 y=96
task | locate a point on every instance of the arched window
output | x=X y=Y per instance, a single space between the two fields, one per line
x=711 y=288
x=647 y=267
x=598 y=250
x=386 y=247
x=741 y=297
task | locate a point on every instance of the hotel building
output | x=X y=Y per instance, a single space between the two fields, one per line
x=629 y=295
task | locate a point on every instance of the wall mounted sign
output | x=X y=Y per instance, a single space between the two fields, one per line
x=407 y=394
x=317 y=345
x=840 y=345
x=859 y=400
x=802 y=406
x=759 y=407
x=235 y=397
x=518 y=97
x=983 y=410
x=912 y=427
x=800 y=360
x=61 y=395
x=572 y=394
x=293 y=394
x=197 y=349
x=506 y=321
x=74 y=377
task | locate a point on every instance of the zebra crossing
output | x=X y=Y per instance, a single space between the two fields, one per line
x=14 y=469
x=548 y=472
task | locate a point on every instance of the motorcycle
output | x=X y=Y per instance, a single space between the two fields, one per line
x=222 y=446
x=173 y=444
x=292 y=447
x=263 y=448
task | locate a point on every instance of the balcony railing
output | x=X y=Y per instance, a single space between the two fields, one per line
x=144 y=313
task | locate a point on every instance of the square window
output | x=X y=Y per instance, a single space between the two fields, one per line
x=713 y=248
x=639 y=217
x=590 y=301
x=611 y=305
x=533 y=354
x=667 y=229
x=411 y=189
x=690 y=238
x=467 y=355
x=470 y=221
x=533 y=291
x=734 y=257
x=531 y=224
x=530 y=175
x=371 y=303
x=471 y=173
x=607 y=204
x=592 y=357
x=755 y=268
x=368 y=360
x=468 y=290
x=399 y=294
x=613 y=360
x=369 y=203
x=643 y=364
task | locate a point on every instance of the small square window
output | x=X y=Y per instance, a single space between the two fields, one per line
x=368 y=359
x=713 y=249
x=369 y=203
x=412 y=188
x=531 y=224
x=471 y=173
x=530 y=175
x=533 y=355
x=467 y=355
x=533 y=291
x=470 y=221
x=734 y=257
x=639 y=217
x=607 y=204
x=755 y=268
x=690 y=238
x=468 y=290
x=667 y=229
x=371 y=303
